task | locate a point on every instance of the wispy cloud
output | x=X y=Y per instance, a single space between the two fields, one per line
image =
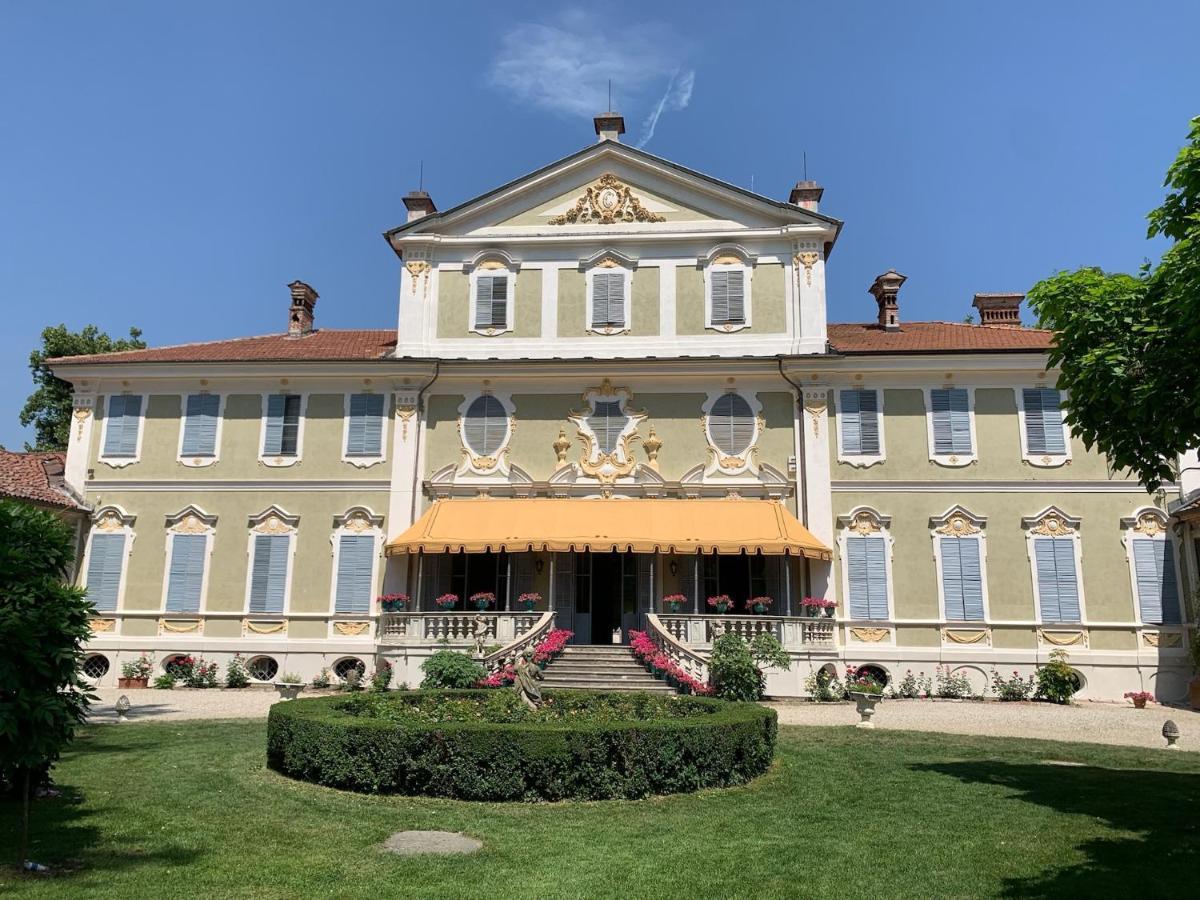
x=563 y=65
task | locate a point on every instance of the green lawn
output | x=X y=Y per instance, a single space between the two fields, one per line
x=188 y=810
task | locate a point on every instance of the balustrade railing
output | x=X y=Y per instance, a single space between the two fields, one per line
x=683 y=656
x=793 y=632
x=467 y=628
x=542 y=625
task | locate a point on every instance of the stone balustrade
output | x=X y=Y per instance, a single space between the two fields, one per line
x=455 y=628
x=793 y=632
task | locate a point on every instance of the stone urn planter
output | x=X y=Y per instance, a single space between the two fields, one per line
x=865 y=704
x=133 y=682
x=288 y=690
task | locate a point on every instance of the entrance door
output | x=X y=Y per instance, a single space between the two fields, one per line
x=607 y=590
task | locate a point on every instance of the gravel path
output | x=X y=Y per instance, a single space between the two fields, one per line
x=1099 y=723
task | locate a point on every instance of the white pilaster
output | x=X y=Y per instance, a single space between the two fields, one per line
x=818 y=498
x=549 y=301
x=810 y=282
x=666 y=299
x=83 y=420
x=1189 y=474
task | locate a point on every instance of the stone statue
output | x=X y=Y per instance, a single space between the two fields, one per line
x=528 y=676
x=479 y=631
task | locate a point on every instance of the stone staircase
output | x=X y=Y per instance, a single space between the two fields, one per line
x=600 y=668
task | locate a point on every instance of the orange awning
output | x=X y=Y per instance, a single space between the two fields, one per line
x=638 y=525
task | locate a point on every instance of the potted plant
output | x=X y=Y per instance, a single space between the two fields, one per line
x=483 y=600
x=446 y=602
x=674 y=603
x=866 y=693
x=1139 y=698
x=721 y=603
x=393 y=602
x=529 y=601
x=818 y=606
x=135 y=673
x=289 y=686
x=759 y=605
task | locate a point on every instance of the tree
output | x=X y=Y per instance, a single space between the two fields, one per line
x=1126 y=344
x=43 y=624
x=48 y=408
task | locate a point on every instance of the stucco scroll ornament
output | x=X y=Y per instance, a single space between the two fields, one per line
x=1064 y=638
x=1149 y=525
x=405 y=412
x=607 y=466
x=82 y=414
x=864 y=523
x=870 y=635
x=265 y=627
x=191 y=524
x=110 y=522
x=959 y=636
x=272 y=525
x=605 y=202
x=416 y=268
x=1052 y=525
x=357 y=523
x=351 y=628
x=102 y=624
x=815 y=403
x=179 y=626
x=808 y=259
x=958 y=526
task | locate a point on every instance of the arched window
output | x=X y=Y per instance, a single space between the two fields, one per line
x=731 y=424
x=485 y=425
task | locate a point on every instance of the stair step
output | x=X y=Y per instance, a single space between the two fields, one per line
x=658 y=688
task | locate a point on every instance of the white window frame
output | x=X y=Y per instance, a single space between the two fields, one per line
x=272 y=521
x=607 y=265
x=1043 y=525
x=111 y=519
x=728 y=263
x=357 y=520
x=491 y=264
x=1150 y=523
x=190 y=520
x=1042 y=460
x=959 y=522
x=497 y=462
x=365 y=462
x=859 y=460
x=120 y=462
x=200 y=462
x=866 y=521
x=741 y=462
x=281 y=462
x=951 y=460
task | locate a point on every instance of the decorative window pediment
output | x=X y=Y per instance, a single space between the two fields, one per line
x=607 y=424
x=961 y=561
x=865 y=545
x=1153 y=566
x=1055 y=560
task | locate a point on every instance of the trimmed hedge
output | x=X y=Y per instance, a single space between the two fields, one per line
x=315 y=741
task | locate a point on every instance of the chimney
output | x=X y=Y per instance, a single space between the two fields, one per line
x=609 y=126
x=419 y=204
x=885 y=290
x=999 y=309
x=300 y=317
x=806 y=195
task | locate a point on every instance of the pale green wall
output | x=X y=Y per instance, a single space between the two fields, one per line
x=454 y=306
x=768 y=309
x=528 y=314
x=997 y=429
x=644 y=301
x=572 y=303
x=312 y=567
x=241 y=434
x=689 y=300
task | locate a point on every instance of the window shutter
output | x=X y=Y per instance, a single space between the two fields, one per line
x=104 y=570
x=1170 y=587
x=951 y=421
x=491 y=301
x=731 y=424
x=850 y=422
x=720 y=297
x=485 y=425
x=608 y=299
x=356 y=559
x=866 y=561
x=200 y=425
x=1058 y=586
x=877 y=577
x=1047 y=579
x=952 y=580
x=972 y=578
x=868 y=419
x=364 y=434
x=186 y=578
x=273 y=438
x=1154 y=572
x=736 y=294
x=1043 y=421
x=269 y=574
x=121 y=434
x=607 y=422
x=500 y=301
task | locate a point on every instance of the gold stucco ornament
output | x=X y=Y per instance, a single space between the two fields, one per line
x=604 y=203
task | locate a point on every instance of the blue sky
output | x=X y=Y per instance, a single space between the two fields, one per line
x=173 y=166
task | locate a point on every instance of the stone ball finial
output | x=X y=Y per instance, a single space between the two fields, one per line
x=1170 y=731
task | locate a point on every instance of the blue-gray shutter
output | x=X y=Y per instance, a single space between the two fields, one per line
x=1154 y=572
x=607 y=422
x=364 y=434
x=731 y=424
x=124 y=417
x=962 y=578
x=951 y=421
x=608 y=299
x=268 y=582
x=491 y=301
x=105 y=558
x=1058 y=580
x=952 y=586
x=858 y=413
x=728 y=297
x=355 y=586
x=866 y=561
x=186 y=577
x=485 y=425
x=273 y=439
x=1043 y=421
x=200 y=425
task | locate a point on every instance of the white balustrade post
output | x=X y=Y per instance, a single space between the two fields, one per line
x=506 y=629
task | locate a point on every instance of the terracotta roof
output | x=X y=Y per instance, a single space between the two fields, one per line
x=1189 y=510
x=938 y=337
x=23 y=476
x=321 y=345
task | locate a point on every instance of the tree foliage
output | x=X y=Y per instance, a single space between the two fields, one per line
x=48 y=408
x=1126 y=344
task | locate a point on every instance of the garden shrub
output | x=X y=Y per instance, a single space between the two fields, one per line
x=381 y=679
x=951 y=685
x=448 y=669
x=1056 y=681
x=235 y=673
x=1015 y=688
x=732 y=671
x=824 y=687
x=767 y=651
x=579 y=745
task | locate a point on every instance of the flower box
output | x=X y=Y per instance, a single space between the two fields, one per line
x=446 y=602
x=759 y=605
x=133 y=682
x=394 y=603
x=721 y=603
x=483 y=600
x=528 y=602
x=674 y=603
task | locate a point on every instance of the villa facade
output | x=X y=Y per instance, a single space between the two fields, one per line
x=614 y=380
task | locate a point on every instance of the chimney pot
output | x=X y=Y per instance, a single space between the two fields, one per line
x=886 y=290
x=419 y=204
x=999 y=309
x=609 y=126
x=300 y=316
x=806 y=195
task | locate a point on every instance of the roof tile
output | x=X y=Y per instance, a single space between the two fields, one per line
x=937 y=337
x=23 y=476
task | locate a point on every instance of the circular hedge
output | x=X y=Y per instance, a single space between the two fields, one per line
x=466 y=744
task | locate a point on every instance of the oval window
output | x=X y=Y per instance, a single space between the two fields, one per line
x=731 y=424
x=485 y=426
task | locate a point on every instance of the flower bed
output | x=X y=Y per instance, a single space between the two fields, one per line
x=657 y=662
x=549 y=647
x=484 y=745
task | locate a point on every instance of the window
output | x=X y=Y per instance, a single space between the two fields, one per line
x=607 y=421
x=728 y=296
x=860 y=442
x=355 y=574
x=485 y=426
x=343 y=667
x=281 y=437
x=262 y=668
x=122 y=427
x=106 y=561
x=201 y=415
x=608 y=299
x=731 y=424
x=866 y=564
x=364 y=427
x=1042 y=429
x=1057 y=579
x=491 y=302
x=185 y=574
x=962 y=578
x=95 y=667
x=950 y=427
x=1154 y=575
x=268 y=577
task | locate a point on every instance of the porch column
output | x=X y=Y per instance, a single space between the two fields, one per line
x=813 y=421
